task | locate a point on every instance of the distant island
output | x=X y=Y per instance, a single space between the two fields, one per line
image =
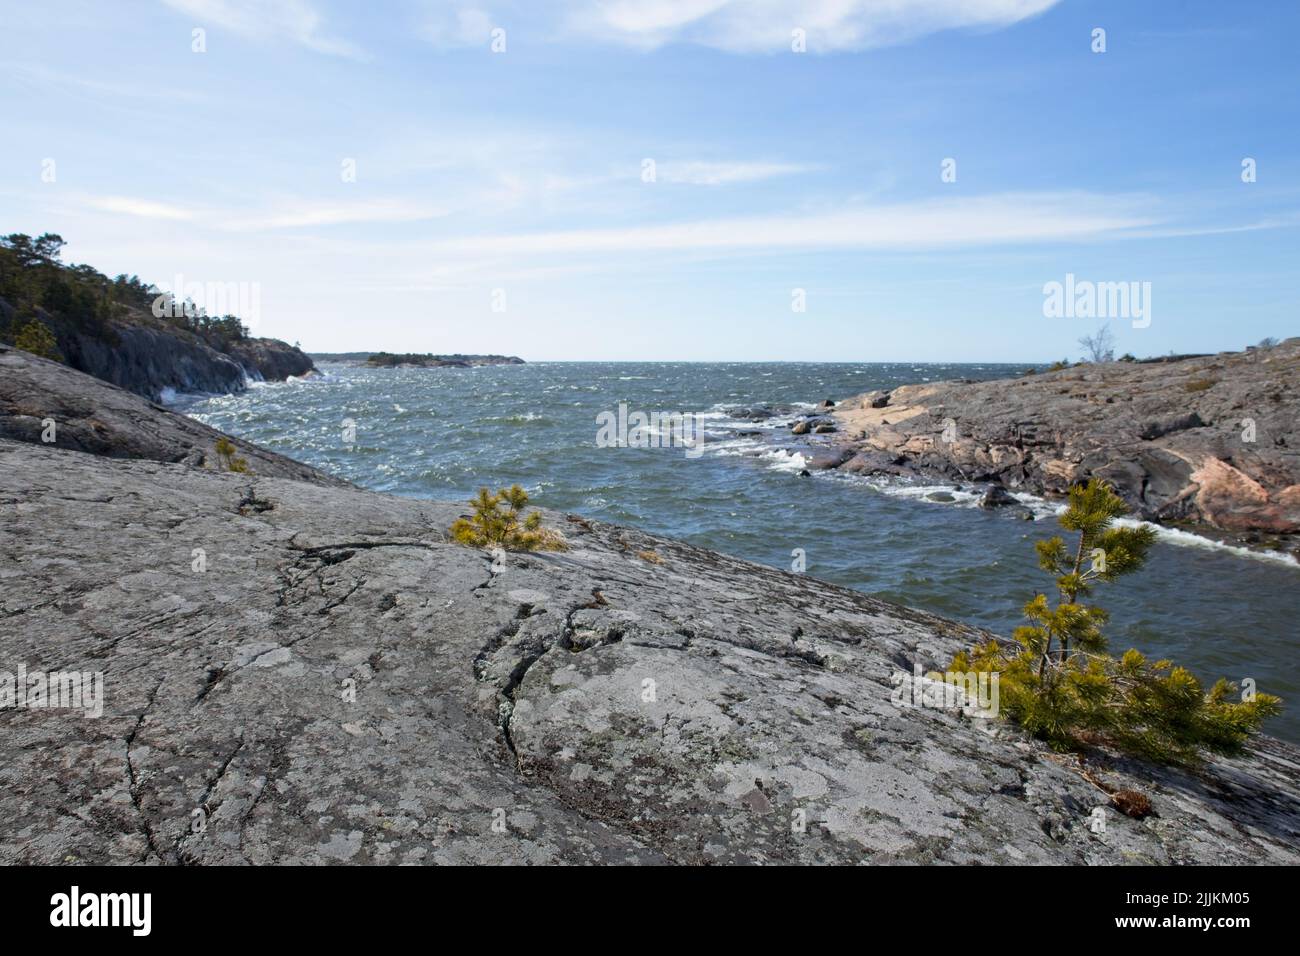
x=416 y=359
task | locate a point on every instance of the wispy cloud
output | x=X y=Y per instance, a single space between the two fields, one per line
x=444 y=27
x=753 y=26
x=279 y=215
x=141 y=208
x=965 y=222
x=294 y=20
x=736 y=26
x=332 y=214
x=41 y=77
x=721 y=174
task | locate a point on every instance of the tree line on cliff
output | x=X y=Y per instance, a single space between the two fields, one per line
x=39 y=294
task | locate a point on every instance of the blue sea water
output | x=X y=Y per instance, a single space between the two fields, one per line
x=443 y=433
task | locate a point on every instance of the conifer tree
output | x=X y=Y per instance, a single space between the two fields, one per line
x=499 y=521
x=227 y=458
x=35 y=337
x=1057 y=681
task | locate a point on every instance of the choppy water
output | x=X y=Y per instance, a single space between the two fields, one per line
x=441 y=433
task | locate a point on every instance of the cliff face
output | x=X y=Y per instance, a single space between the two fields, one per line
x=93 y=416
x=272 y=360
x=1210 y=439
x=341 y=683
x=147 y=356
x=148 y=360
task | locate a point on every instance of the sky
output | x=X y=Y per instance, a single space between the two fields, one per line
x=702 y=180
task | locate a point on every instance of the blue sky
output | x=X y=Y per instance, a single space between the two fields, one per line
x=522 y=170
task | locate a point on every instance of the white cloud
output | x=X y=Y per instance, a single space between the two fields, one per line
x=467 y=26
x=331 y=214
x=143 y=208
x=990 y=220
x=42 y=78
x=752 y=26
x=294 y=20
x=737 y=26
x=283 y=215
x=721 y=174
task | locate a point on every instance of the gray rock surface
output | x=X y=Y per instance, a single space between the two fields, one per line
x=339 y=684
x=271 y=360
x=93 y=416
x=1208 y=440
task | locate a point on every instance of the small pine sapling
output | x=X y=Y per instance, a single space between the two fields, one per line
x=499 y=521
x=1058 y=682
x=227 y=458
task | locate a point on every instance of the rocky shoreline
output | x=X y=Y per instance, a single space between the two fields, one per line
x=336 y=682
x=153 y=358
x=39 y=397
x=1206 y=443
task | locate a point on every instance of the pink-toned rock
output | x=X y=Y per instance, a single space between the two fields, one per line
x=1234 y=501
x=1209 y=440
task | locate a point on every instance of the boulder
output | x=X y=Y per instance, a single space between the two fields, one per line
x=824 y=459
x=806 y=425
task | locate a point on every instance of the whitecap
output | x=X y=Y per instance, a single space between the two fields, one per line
x=781 y=460
x=1188 y=539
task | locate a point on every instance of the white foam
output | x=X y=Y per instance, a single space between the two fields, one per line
x=1187 y=539
x=322 y=378
x=902 y=488
x=736 y=447
x=781 y=460
x=1042 y=509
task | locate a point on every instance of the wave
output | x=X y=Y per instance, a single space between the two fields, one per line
x=316 y=377
x=1188 y=539
x=778 y=459
x=781 y=460
x=1042 y=508
x=524 y=418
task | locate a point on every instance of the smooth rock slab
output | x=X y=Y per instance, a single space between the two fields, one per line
x=341 y=685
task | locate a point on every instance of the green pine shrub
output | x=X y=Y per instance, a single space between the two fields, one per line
x=499 y=521
x=227 y=459
x=35 y=337
x=1057 y=681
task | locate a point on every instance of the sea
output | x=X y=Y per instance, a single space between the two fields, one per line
x=442 y=433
